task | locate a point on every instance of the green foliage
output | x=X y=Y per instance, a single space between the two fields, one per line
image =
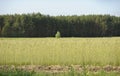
x=71 y=73
x=16 y=73
x=57 y=35
x=38 y=25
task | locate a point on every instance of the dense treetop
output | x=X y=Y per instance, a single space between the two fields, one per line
x=38 y=25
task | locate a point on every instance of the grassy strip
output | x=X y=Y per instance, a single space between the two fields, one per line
x=71 y=73
x=62 y=51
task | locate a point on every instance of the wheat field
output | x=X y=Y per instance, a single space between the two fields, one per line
x=60 y=51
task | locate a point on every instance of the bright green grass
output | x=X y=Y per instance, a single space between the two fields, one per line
x=25 y=73
x=100 y=73
x=62 y=51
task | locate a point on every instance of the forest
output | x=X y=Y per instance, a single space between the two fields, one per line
x=39 y=25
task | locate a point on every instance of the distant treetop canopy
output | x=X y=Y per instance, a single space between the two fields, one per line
x=38 y=25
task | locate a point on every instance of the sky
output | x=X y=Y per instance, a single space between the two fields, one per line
x=60 y=7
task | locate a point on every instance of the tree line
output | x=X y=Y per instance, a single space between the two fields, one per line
x=39 y=25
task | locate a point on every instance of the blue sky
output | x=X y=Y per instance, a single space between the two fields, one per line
x=61 y=7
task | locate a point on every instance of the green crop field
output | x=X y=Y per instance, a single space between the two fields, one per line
x=60 y=51
x=18 y=52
